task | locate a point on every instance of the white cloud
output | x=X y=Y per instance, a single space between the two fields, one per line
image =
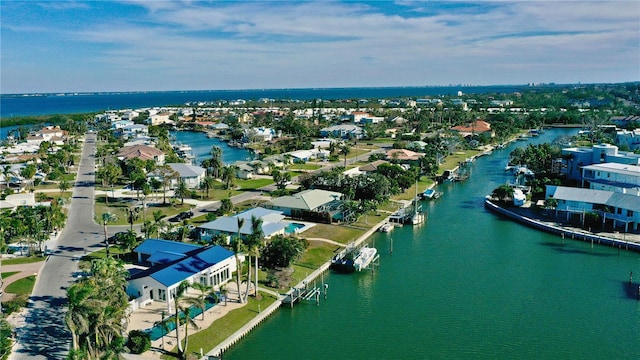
x=308 y=44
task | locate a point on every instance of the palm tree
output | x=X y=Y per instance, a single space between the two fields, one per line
x=345 y=150
x=207 y=184
x=257 y=236
x=6 y=172
x=238 y=247
x=182 y=191
x=180 y=291
x=106 y=219
x=229 y=176
x=200 y=300
x=224 y=291
x=216 y=160
x=133 y=213
x=80 y=308
x=187 y=320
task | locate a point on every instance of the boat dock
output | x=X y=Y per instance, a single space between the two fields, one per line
x=218 y=350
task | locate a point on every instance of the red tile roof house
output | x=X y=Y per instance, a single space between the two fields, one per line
x=142 y=152
x=475 y=128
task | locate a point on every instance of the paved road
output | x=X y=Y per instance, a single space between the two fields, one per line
x=44 y=334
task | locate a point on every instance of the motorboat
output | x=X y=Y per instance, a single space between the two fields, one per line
x=365 y=256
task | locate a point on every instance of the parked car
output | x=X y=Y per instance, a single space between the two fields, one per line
x=182 y=216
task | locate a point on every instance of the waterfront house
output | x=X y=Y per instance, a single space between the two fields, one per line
x=615 y=209
x=173 y=263
x=621 y=178
x=52 y=134
x=191 y=175
x=259 y=134
x=142 y=152
x=574 y=158
x=312 y=204
x=477 y=127
x=227 y=226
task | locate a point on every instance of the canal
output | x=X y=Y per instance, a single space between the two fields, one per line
x=466 y=284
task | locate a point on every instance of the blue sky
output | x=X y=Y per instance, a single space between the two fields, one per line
x=76 y=46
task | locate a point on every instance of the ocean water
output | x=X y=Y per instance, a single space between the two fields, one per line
x=46 y=104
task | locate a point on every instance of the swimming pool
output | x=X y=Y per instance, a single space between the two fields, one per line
x=158 y=331
x=293 y=227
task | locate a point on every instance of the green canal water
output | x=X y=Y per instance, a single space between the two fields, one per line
x=466 y=285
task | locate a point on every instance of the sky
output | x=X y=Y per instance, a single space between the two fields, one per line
x=150 y=45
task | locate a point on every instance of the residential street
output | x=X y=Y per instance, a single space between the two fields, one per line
x=42 y=333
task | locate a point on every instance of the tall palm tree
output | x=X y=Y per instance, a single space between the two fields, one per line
x=257 y=236
x=106 y=219
x=238 y=246
x=179 y=293
x=186 y=310
x=200 y=300
x=80 y=308
x=133 y=213
x=6 y=172
x=207 y=184
x=345 y=150
x=229 y=176
x=216 y=161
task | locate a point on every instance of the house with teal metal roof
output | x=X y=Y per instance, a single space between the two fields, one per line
x=174 y=262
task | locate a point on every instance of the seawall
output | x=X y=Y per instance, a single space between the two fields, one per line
x=567 y=233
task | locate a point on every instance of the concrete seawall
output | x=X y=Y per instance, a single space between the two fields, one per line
x=567 y=233
x=217 y=351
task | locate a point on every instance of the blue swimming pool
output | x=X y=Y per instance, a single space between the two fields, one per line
x=293 y=227
x=157 y=330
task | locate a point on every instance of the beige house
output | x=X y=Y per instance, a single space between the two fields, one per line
x=142 y=152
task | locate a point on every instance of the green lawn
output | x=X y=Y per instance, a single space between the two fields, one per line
x=23 y=260
x=253 y=184
x=303 y=166
x=118 y=207
x=22 y=287
x=5 y=275
x=410 y=193
x=453 y=160
x=339 y=233
x=317 y=254
x=222 y=328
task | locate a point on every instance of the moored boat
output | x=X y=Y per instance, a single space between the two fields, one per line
x=385 y=228
x=430 y=194
x=343 y=263
x=364 y=258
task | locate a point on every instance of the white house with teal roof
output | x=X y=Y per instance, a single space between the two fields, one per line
x=173 y=262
